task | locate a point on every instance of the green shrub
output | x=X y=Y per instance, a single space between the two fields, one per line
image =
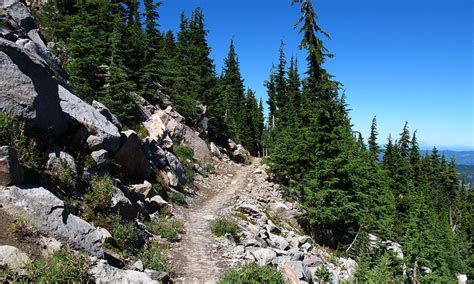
x=153 y=258
x=12 y=133
x=185 y=155
x=209 y=167
x=100 y=194
x=167 y=228
x=183 y=152
x=64 y=181
x=61 y=267
x=178 y=198
x=252 y=273
x=323 y=275
x=126 y=238
x=22 y=228
x=141 y=131
x=89 y=162
x=222 y=226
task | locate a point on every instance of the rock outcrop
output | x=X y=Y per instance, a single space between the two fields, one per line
x=28 y=89
x=20 y=20
x=47 y=212
x=105 y=111
x=59 y=161
x=87 y=116
x=180 y=132
x=131 y=157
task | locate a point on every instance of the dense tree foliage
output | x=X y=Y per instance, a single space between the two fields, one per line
x=347 y=192
x=114 y=52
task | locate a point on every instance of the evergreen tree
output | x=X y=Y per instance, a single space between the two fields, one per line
x=183 y=98
x=281 y=86
x=151 y=73
x=232 y=88
x=132 y=52
x=252 y=133
x=204 y=78
x=87 y=46
x=374 y=148
x=294 y=93
x=271 y=93
x=117 y=93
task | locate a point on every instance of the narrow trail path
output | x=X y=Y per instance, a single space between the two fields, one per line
x=193 y=260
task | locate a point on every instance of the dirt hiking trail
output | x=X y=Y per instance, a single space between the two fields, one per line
x=194 y=258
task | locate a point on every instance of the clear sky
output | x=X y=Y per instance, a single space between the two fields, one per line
x=401 y=60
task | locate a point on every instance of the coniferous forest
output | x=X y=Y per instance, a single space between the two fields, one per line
x=351 y=197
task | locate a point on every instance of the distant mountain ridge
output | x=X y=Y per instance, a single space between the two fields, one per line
x=462 y=157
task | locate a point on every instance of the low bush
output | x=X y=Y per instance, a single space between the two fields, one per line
x=12 y=133
x=23 y=228
x=183 y=152
x=178 y=198
x=126 y=238
x=252 y=273
x=167 y=228
x=323 y=275
x=99 y=194
x=223 y=226
x=185 y=155
x=153 y=258
x=209 y=167
x=65 y=180
x=141 y=131
x=62 y=266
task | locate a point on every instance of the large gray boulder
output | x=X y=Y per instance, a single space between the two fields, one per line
x=176 y=167
x=47 y=212
x=215 y=150
x=131 y=157
x=201 y=152
x=240 y=154
x=104 y=273
x=19 y=17
x=10 y=170
x=13 y=258
x=53 y=62
x=90 y=118
x=122 y=206
x=28 y=89
x=154 y=153
x=105 y=111
x=264 y=256
x=58 y=161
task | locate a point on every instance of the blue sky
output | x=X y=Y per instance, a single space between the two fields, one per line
x=405 y=60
